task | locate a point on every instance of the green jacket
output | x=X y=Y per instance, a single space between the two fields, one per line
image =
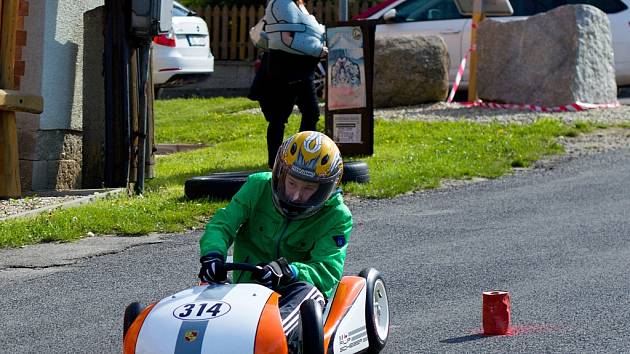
x=316 y=246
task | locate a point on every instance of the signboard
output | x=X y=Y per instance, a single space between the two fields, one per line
x=347 y=128
x=488 y=7
x=349 y=108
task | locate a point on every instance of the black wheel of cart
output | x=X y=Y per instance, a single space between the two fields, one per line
x=312 y=327
x=131 y=313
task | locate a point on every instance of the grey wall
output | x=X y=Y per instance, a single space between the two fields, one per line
x=63 y=62
x=50 y=143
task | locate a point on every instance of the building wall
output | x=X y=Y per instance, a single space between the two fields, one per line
x=50 y=143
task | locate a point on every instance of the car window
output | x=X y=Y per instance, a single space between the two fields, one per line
x=533 y=7
x=608 y=6
x=179 y=10
x=427 y=10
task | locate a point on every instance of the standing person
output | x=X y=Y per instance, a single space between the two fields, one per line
x=292 y=222
x=295 y=45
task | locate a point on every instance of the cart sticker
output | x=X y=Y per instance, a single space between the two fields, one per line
x=340 y=241
x=202 y=310
x=352 y=338
x=190 y=336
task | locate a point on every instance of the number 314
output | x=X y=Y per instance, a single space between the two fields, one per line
x=212 y=310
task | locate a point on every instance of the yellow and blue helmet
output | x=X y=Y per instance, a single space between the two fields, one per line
x=308 y=156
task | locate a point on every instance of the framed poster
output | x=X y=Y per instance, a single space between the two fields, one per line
x=349 y=108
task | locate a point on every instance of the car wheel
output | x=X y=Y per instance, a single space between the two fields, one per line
x=221 y=185
x=131 y=312
x=355 y=171
x=376 y=310
x=312 y=327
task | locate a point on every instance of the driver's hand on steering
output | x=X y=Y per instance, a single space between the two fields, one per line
x=276 y=273
x=212 y=269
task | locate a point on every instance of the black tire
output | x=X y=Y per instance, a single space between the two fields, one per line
x=221 y=185
x=373 y=320
x=131 y=312
x=355 y=171
x=312 y=327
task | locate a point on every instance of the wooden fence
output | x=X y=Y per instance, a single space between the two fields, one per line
x=229 y=25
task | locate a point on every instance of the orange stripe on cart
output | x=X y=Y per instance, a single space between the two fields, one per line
x=270 y=337
x=129 y=343
x=347 y=292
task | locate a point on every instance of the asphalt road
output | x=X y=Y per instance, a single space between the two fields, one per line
x=558 y=240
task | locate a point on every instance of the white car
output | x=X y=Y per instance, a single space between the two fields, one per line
x=182 y=56
x=441 y=17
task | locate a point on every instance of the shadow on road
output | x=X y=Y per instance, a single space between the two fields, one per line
x=463 y=339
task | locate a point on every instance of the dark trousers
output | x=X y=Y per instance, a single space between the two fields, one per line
x=277 y=106
x=291 y=297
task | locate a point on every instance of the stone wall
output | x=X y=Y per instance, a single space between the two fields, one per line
x=59 y=157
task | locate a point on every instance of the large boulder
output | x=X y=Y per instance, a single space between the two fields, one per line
x=551 y=59
x=409 y=70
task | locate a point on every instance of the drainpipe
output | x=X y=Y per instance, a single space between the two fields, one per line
x=142 y=55
x=117 y=110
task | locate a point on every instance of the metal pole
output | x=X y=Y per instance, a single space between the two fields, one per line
x=472 y=80
x=343 y=10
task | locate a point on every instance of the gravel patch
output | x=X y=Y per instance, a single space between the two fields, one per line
x=10 y=207
x=443 y=111
x=597 y=142
x=46 y=201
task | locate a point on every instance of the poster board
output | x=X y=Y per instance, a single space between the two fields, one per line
x=349 y=80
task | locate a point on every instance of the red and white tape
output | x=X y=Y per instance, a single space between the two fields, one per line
x=573 y=107
x=458 y=77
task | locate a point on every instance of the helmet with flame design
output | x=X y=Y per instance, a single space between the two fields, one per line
x=307 y=172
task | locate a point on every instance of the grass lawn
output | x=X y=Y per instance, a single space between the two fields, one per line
x=408 y=156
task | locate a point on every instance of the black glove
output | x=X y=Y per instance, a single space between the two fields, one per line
x=212 y=270
x=275 y=273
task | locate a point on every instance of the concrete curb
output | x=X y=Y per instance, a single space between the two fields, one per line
x=65 y=205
